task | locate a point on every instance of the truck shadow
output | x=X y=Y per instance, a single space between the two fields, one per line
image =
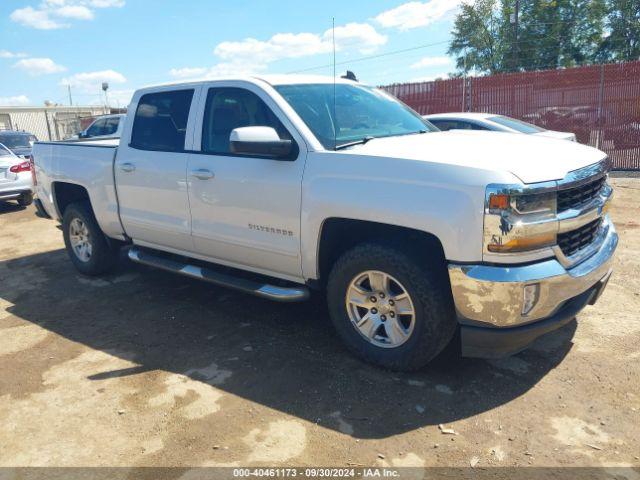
x=9 y=207
x=283 y=356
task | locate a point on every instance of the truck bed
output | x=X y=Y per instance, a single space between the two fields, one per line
x=103 y=142
x=87 y=164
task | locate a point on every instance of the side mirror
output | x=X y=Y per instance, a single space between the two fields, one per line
x=260 y=141
x=82 y=134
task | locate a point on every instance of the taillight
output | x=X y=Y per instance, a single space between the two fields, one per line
x=21 y=167
x=32 y=164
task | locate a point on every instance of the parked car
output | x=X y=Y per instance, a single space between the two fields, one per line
x=106 y=126
x=496 y=123
x=20 y=143
x=583 y=120
x=16 y=181
x=623 y=135
x=300 y=183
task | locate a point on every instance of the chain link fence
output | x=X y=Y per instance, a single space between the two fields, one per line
x=599 y=103
x=49 y=123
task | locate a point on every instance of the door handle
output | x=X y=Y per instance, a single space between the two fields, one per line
x=127 y=167
x=202 y=174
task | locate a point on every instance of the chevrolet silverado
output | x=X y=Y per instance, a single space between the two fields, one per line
x=279 y=185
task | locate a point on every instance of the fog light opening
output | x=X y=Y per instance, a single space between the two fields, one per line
x=530 y=296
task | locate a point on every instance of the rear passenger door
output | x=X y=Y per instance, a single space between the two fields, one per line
x=150 y=170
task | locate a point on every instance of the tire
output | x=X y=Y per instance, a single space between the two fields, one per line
x=425 y=281
x=26 y=199
x=102 y=257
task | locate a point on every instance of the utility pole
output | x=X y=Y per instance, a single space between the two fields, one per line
x=514 y=47
x=70 y=99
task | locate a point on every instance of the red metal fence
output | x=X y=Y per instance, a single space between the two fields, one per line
x=599 y=103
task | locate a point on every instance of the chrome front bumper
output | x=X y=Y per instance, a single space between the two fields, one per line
x=493 y=296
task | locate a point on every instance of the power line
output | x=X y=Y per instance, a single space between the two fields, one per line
x=370 y=57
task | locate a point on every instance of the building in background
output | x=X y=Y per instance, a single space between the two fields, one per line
x=51 y=123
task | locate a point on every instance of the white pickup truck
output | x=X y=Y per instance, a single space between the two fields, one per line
x=280 y=185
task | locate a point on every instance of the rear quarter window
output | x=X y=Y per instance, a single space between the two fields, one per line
x=160 y=122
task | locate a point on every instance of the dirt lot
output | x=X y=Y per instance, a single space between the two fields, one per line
x=144 y=368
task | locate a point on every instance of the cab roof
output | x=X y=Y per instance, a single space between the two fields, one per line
x=272 y=80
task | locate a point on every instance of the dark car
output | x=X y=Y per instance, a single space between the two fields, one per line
x=19 y=143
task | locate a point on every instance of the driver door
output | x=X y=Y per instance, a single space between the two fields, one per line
x=245 y=210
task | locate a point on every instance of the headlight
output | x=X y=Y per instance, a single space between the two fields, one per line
x=535 y=203
x=523 y=203
x=519 y=221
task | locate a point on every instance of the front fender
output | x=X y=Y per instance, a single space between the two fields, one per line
x=443 y=200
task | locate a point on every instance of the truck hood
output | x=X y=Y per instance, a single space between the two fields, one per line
x=530 y=158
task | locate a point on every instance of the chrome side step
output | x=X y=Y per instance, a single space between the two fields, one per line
x=265 y=290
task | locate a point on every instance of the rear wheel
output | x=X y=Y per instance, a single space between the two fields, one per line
x=391 y=308
x=26 y=199
x=86 y=245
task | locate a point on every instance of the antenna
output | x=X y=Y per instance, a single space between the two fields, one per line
x=335 y=122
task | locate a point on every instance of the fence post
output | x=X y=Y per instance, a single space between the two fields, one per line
x=46 y=117
x=600 y=100
x=464 y=93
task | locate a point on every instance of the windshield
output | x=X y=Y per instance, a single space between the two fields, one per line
x=518 y=125
x=359 y=112
x=12 y=140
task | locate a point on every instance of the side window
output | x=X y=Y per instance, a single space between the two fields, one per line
x=462 y=125
x=229 y=108
x=111 y=126
x=445 y=125
x=456 y=125
x=161 y=119
x=475 y=126
x=96 y=128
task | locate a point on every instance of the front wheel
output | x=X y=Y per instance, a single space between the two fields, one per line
x=86 y=245
x=391 y=308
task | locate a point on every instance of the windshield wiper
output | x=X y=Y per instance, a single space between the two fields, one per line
x=362 y=141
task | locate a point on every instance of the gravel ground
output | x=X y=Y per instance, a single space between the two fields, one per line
x=145 y=368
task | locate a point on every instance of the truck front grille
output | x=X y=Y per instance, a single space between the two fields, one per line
x=575 y=240
x=576 y=196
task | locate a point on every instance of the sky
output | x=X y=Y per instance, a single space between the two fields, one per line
x=49 y=46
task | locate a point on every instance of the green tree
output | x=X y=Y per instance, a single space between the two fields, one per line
x=623 y=24
x=551 y=33
x=559 y=33
x=478 y=37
